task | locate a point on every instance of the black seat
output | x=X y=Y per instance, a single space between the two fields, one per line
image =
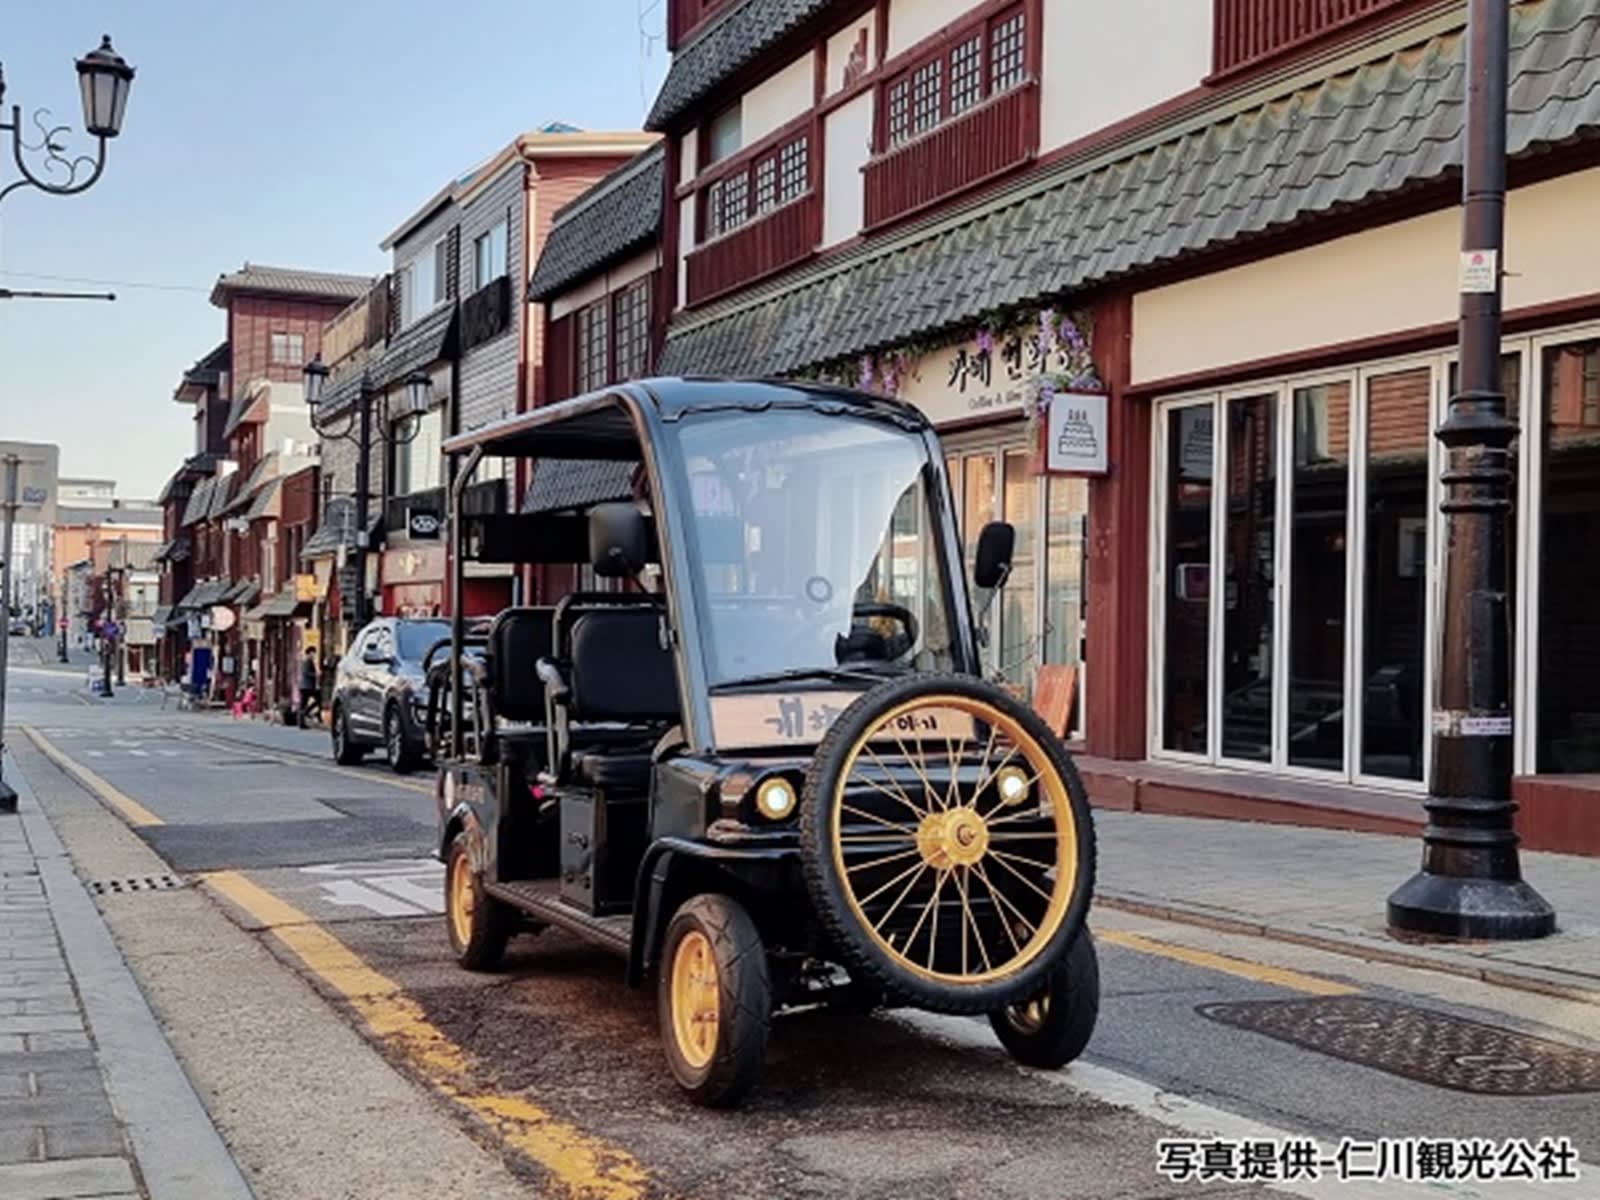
x=518 y=639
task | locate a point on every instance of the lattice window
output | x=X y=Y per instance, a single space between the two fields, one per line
x=1007 y=57
x=926 y=82
x=713 y=208
x=766 y=175
x=633 y=330
x=735 y=201
x=594 y=346
x=793 y=170
x=899 y=127
x=966 y=74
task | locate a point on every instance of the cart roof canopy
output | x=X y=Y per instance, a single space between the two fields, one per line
x=608 y=425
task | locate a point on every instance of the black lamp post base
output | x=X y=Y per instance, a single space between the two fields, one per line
x=8 y=797
x=1449 y=906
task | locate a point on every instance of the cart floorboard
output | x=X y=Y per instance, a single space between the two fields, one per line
x=540 y=898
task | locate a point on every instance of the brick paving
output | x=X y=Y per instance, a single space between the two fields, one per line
x=59 y=1136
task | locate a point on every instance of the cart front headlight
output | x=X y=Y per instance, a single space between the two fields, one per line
x=776 y=798
x=1012 y=783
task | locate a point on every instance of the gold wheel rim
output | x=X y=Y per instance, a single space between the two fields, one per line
x=461 y=899
x=696 y=1005
x=930 y=854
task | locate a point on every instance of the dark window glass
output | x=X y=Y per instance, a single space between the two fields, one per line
x=1186 y=637
x=1395 y=579
x=735 y=201
x=1569 y=620
x=633 y=330
x=766 y=184
x=417 y=637
x=1249 y=539
x=792 y=170
x=900 y=111
x=1320 y=505
x=926 y=82
x=1006 y=43
x=966 y=74
x=594 y=344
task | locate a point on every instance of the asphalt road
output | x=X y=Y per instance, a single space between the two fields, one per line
x=897 y=1105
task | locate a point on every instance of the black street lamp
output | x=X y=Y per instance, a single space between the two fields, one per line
x=104 y=79
x=357 y=429
x=1470 y=884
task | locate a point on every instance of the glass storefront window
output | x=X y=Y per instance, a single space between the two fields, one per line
x=977 y=510
x=1186 y=680
x=1249 y=544
x=1066 y=507
x=1019 y=640
x=1568 y=635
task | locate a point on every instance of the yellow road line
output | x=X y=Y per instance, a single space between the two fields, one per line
x=583 y=1165
x=294 y=760
x=132 y=811
x=1242 y=967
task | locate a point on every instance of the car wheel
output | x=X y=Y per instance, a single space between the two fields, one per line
x=714 y=999
x=345 y=752
x=479 y=925
x=1052 y=1028
x=397 y=751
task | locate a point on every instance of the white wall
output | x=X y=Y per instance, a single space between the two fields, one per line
x=685 y=244
x=1103 y=62
x=847 y=144
x=912 y=20
x=843 y=43
x=1398 y=277
x=689 y=156
x=778 y=99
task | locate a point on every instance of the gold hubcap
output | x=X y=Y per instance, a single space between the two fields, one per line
x=461 y=899
x=953 y=876
x=696 y=1001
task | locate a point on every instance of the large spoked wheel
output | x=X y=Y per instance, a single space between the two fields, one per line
x=345 y=752
x=714 y=999
x=1052 y=1027
x=947 y=843
x=480 y=926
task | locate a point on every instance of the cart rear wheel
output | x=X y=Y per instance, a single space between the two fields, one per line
x=714 y=999
x=947 y=843
x=1051 y=1028
x=479 y=924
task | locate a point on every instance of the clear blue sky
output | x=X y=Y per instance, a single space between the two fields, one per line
x=290 y=132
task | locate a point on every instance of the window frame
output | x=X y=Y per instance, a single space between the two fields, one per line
x=591 y=347
x=904 y=74
x=485 y=240
x=286 y=359
x=630 y=329
x=776 y=152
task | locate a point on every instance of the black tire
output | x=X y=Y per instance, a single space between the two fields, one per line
x=399 y=753
x=345 y=752
x=866 y=960
x=1055 y=1032
x=477 y=937
x=743 y=996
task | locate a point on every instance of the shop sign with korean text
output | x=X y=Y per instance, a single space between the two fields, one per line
x=1076 y=436
x=989 y=377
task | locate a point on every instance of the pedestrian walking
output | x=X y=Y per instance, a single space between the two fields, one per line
x=310 y=693
x=246 y=702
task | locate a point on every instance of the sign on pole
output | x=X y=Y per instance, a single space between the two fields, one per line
x=37 y=464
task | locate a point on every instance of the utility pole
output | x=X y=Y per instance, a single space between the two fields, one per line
x=13 y=465
x=1470 y=884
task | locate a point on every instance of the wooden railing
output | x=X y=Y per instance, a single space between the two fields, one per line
x=1248 y=31
x=981 y=143
x=756 y=249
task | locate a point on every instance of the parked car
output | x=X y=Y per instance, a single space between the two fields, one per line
x=18 y=627
x=380 y=697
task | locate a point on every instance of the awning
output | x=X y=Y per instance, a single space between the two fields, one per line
x=204 y=595
x=160 y=617
x=284 y=605
x=430 y=340
x=563 y=483
x=338 y=529
x=241 y=594
x=174 y=551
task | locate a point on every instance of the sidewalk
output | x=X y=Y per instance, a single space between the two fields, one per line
x=1328 y=888
x=93 y=1103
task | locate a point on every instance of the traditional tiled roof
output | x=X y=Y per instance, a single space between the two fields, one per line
x=208 y=371
x=290 y=281
x=615 y=217
x=562 y=483
x=130 y=514
x=199 y=506
x=722 y=46
x=222 y=493
x=338 y=528
x=1358 y=137
x=205 y=594
x=174 y=551
x=266 y=466
x=262 y=501
x=430 y=340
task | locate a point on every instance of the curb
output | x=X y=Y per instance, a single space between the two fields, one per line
x=1427 y=958
x=179 y=1152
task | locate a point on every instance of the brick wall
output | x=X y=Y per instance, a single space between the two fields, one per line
x=252 y=320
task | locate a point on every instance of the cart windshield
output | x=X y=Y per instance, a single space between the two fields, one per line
x=816 y=546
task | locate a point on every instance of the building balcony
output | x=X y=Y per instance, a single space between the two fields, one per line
x=1248 y=32
x=768 y=243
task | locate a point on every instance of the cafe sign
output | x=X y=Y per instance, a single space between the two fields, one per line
x=1075 y=439
x=998 y=375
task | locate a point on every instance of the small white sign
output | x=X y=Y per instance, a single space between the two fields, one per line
x=1077 y=434
x=1480 y=271
x=35 y=464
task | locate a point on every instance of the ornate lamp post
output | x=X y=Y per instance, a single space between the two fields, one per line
x=104 y=79
x=357 y=430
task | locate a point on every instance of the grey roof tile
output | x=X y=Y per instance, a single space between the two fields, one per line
x=618 y=215
x=1368 y=133
x=562 y=483
x=290 y=281
x=723 y=46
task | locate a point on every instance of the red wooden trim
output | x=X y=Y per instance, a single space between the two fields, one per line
x=819 y=71
x=746 y=155
x=880 y=48
x=671 y=233
x=954 y=31
x=770 y=243
x=867 y=81
x=1287 y=38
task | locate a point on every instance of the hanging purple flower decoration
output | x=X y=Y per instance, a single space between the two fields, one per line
x=866 y=372
x=1071 y=336
x=985 y=341
x=1047 y=392
x=1047 y=330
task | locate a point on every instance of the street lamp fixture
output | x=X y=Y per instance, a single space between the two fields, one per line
x=357 y=429
x=104 y=79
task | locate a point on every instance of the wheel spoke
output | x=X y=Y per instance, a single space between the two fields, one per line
x=919 y=868
x=983 y=763
x=952 y=791
x=894 y=825
x=1000 y=859
x=931 y=907
x=1021 y=858
x=878 y=862
x=993 y=772
x=903 y=796
x=916 y=765
x=1001 y=898
x=977 y=930
x=884 y=839
x=866 y=900
x=933 y=933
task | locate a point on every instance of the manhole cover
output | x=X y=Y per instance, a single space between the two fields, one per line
x=134 y=883
x=1430 y=1047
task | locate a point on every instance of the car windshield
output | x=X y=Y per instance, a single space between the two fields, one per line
x=816 y=545
x=416 y=636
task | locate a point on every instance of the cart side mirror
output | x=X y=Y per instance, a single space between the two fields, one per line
x=619 y=542
x=992 y=565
